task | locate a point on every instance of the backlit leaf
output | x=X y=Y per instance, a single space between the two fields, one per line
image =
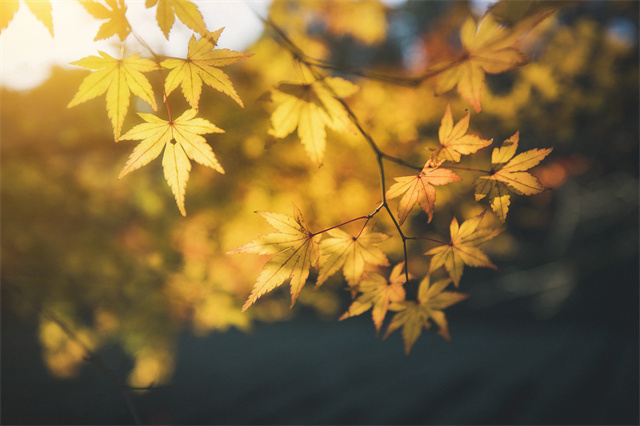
x=295 y=248
x=377 y=294
x=118 y=78
x=180 y=140
x=41 y=9
x=419 y=189
x=487 y=49
x=113 y=13
x=413 y=316
x=351 y=253
x=200 y=66
x=509 y=175
x=454 y=141
x=185 y=10
x=311 y=108
x=463 y=248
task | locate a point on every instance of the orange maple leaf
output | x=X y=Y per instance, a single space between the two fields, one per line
x=413 y=316
x=509 y=175
x=419 y=189
x=378 y=293
x=487 y=49
x=295 y=248
x=454 y=141
x=463 y=248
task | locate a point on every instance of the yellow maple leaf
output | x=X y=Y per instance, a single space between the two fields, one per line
x=351 y=253
x=41 y=9
x=509 y=175
x=463 y=248
x=295 y=248
x=454 y=141
x=378 y=294
x=200 y=66
x=181 y=140
x=118 y=78
x=185 y=10
x=311 y=108
x=114 y=14
x=487 y=49
x=413 y=315
x=418 y=189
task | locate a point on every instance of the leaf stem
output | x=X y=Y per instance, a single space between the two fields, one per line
x=311 y=65
x=299 y=55
x=428 y=239
x=469 y=169
x=158 y=59
x=341 y=224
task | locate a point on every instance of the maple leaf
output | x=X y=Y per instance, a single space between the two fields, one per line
x=463 y=248
x=487 y=49
x=311 y=108
x=41 y=9
x=117 y=22
x=378 y=293
x=454 y=141
x=295 y=248
x=200 y=66
x=181 y=140
x=508 y=174
x=118 y=78
x=413 y=316
x=351 y=253
x=185 y=10
x=419 y=189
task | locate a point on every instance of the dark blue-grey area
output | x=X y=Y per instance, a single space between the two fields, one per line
x=314 y=372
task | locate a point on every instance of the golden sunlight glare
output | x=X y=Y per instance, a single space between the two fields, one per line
x=28 y=51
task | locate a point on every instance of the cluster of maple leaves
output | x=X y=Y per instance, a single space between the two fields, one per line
x=310 y=107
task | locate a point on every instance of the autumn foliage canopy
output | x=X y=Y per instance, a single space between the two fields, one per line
x=379 y=181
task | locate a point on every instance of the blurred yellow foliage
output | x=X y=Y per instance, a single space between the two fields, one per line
x=63 y=354
x=152 y=366
x=80 y=241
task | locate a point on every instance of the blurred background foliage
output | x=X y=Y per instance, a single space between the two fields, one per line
x=114 y=260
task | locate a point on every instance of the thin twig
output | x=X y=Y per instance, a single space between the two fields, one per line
x=299 y=55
